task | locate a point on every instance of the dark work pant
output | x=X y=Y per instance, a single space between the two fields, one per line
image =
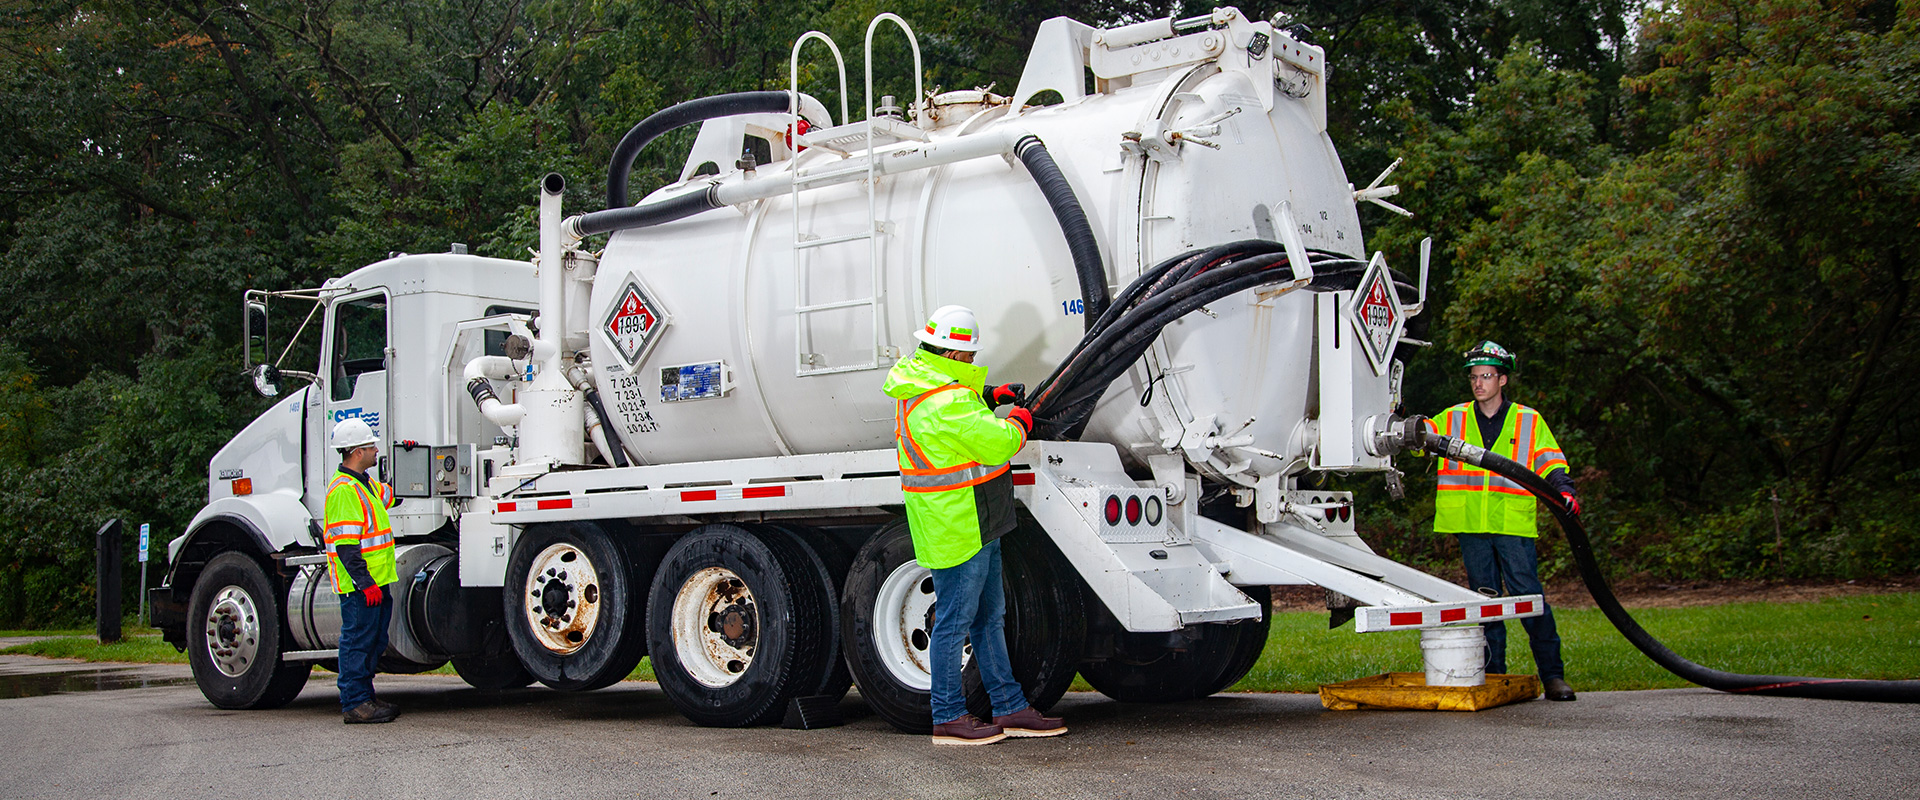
x=970 y=604
x=1510 y=565
x=363 y=637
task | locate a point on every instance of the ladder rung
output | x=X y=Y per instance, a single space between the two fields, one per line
x=834 y=240
x=828 y=175
x=830 y=306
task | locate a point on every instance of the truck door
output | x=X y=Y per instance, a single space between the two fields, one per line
x=355 y=366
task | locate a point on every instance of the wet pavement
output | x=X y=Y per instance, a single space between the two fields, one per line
x=161 y=739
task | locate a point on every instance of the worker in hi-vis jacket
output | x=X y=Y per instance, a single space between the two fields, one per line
x=958 y=489
x=1493 y=516
x=360 y=557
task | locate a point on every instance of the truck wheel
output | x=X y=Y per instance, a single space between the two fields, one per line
x=1046 y=623
x=492 y=673
x=572 y=607
x=1219 y=658
x=234 y=636
x=830 y=560
x=886 y=619
x=736 y=622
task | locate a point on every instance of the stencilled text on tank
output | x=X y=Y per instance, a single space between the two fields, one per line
x=630 y=402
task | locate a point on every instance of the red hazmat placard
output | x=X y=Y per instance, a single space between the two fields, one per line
x=634 y=324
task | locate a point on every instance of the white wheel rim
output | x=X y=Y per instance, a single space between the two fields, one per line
x=563 y=598
x=716 y=626
x=903 y=625
x=233 y=631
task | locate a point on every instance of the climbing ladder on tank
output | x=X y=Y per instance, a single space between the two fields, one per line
x=845 y=140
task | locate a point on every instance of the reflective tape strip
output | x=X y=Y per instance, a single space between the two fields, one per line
x=1379 y=618
x=1023 y=479
x=742 y=493
x=951 y=478
x=1482 y=480
x=1543 y=458
x=549 y=504
x=916 y=458
x=376 y=541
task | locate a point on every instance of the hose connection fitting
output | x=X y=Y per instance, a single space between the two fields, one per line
x=1389 y=434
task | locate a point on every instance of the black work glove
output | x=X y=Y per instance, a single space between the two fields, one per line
x=997 y=396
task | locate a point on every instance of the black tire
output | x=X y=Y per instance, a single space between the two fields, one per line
x=830 y=560
x=234 y=598
x=1218 y=658
x=754 y=593
x=606 y=650
x=1046 y=624
x=492 y=672
x=903 y=706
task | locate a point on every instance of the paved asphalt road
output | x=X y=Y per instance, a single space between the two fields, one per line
x=144 y=732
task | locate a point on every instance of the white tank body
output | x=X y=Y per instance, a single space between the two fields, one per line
x=980 y=233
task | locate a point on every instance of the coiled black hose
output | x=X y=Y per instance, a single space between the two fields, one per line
x=1164 y=293
x=1907 y=691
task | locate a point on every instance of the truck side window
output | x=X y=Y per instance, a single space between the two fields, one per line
x=359 y=342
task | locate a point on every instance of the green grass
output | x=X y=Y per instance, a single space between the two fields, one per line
x=145 y=648
x=1828 y=638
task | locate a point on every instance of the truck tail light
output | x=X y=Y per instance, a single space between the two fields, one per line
x=1133 y=511
x=1113 y=509
x=1154 y=510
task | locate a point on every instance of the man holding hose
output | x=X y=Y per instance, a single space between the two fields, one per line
x=1493 y=516
x=958 y=489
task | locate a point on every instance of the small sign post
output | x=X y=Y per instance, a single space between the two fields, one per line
x=144 y=530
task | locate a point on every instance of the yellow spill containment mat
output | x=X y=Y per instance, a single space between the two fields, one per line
x=1409 y=691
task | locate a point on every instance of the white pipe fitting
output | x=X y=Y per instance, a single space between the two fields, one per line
x=491 y=368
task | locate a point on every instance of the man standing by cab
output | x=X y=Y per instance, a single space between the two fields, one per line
x=958 y=487
x=1495 y=517
x=360 y=557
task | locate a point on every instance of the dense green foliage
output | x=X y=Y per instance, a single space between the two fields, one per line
x=1695 y=224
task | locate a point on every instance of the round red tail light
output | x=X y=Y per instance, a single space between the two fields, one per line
x=1133 y=511
x=1113 y=509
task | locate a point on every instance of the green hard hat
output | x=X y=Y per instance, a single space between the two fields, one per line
x=1490 y=354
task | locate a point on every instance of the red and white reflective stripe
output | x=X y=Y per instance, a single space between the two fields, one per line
x=539 y=505
x=1386 y=618
x=730 y=493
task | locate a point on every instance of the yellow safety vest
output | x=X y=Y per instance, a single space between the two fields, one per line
x=1473 y=500
x=356 y=516
x=953 y=455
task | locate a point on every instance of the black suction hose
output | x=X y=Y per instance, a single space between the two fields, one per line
x=675 y=116
x=1907 y=691
x=658 y=212
x=619 y=448
x=1073 y=222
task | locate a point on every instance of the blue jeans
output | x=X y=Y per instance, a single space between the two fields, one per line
x=970 y=604
x=363 y=637
x=1494 y=560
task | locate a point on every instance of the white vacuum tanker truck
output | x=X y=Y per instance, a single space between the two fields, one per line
x=678 y=446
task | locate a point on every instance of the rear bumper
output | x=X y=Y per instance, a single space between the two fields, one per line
x=1368 y=619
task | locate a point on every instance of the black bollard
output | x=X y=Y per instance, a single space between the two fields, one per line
x=106 y=561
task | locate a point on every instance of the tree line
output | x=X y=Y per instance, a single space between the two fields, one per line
x=1695 y=223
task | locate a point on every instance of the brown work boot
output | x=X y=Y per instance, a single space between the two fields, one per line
x=368 y=713
x=1028 y=723
x=386 y=707
x=1557 y=689
x=967 y=730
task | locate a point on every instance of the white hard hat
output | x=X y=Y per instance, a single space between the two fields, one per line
x=951 y=328
x=352 y=432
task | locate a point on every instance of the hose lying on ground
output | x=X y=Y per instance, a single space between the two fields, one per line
x=1907 y=691
x=1117 y=338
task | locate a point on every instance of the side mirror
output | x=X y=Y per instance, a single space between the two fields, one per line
x=266 y=380
x=256 y=349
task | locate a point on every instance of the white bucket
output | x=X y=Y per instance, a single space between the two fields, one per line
x=1455 y=656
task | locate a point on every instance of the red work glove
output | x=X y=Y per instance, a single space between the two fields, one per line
x=1573 y=503
x=1023 y=418
x=997 y=396
x=374 y=595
